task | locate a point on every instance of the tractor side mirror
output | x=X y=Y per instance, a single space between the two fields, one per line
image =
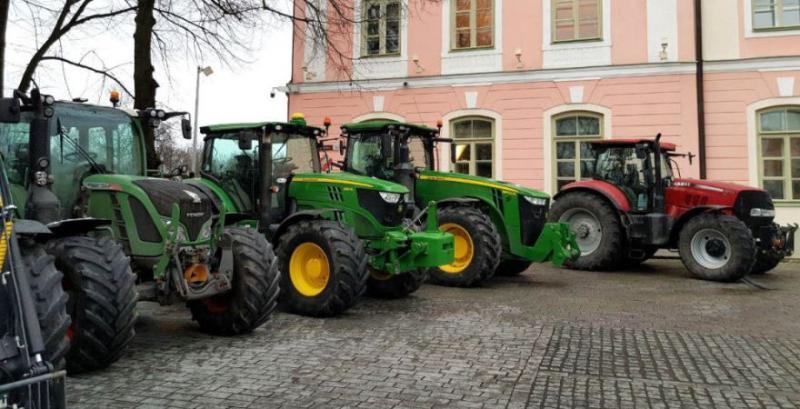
x=245 y=144
x=186 y=128
x=10 y=110
x=386 y=148
x=342 y=144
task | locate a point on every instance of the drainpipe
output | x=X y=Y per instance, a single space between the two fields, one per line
x=700 y=90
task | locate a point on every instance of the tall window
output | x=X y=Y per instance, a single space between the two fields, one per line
x=574 y=160
x=473 y=24
x=381 y=28
x=576 y=20
x=474 y=139
x=776 y=14
x=779 y=152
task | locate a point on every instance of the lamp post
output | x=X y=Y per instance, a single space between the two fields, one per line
x=206 y=71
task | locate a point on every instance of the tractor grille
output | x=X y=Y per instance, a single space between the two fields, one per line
x=387 y=214
x=194 y=213
x=532 y=219
x=144 y=223
x=753 y=199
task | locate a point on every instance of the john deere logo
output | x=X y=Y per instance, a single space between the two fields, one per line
x=195 y=197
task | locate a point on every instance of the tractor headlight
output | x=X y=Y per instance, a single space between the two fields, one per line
x=536 y=201
x=205 y=231
x=756 y=212
x=390 y=197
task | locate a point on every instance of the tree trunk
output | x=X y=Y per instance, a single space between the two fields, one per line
x=4 y=5
x=145 y=85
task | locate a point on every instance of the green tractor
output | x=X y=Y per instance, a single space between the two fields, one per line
x=79 y=171
x=499 y=227
x=336 y=235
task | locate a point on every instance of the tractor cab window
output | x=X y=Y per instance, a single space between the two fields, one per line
x=235 y=168
x=365 y=156
x=293 y=154
x=419 y=155
x=628 y=169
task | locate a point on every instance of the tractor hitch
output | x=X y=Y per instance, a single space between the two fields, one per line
x=557 y=244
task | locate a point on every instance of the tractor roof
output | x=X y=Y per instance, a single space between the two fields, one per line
x=246 y=126
x=380 y=126
x=667 y=146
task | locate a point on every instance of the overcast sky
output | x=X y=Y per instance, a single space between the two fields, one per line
x=239 y=92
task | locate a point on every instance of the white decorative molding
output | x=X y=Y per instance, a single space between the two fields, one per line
x=579 y=53
x=476 y=61
x=748 y=25
x=377 y=67
x=721 y=30
x=314 y=50
x=754 y=64
x=471 y=99
x=662 y=26
x=379 y=115
x=377 y=103
x=576 y=94
x=444 y=148
x=547 y=134
x=785 y=86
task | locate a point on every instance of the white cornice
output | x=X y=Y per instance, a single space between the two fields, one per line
x=754 y=64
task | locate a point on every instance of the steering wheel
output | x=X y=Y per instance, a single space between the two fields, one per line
x=76 y=157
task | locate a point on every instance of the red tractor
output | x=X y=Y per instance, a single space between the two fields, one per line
x=632 y=205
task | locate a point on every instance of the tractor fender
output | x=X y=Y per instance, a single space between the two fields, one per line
x=314 y=214
x=74 y=227
x=31 y=228
x=690 y=214
x=609 y=191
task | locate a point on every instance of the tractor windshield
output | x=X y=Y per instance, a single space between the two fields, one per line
x=232 y=159
x=367 y=155
x=629 y=169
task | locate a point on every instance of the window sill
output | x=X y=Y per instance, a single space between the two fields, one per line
x=472 y=49
x=583 y=40
x=776 y=29
x=786 y=203
x=379 y=56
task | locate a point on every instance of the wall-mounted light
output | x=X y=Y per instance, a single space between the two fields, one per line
x=419 y=67
x=518 y=54
x=663 y=54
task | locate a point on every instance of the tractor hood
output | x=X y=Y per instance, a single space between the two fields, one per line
x=714 y=186
x=351 y=180
x=481 y=181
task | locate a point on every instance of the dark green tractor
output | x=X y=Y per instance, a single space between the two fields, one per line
x=79 y=170
x=335 y=234
x=499 y=227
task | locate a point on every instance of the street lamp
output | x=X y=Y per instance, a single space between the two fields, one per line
x=206 y=71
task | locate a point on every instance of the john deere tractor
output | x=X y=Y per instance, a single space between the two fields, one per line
x=498 y=226
x=335 y=233
x=79 y=171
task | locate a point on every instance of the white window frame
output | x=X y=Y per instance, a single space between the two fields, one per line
x=751 y=32
x=379 y=66
x=469 y=61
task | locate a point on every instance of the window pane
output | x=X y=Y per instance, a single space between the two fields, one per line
x=565 y=150
x=462 y=5
x=483 y=151
x=462 y=39
x=482 y=129
x=484 y=37
x=587 y=168
x=795 y=142
x=393 y=11
x=588 y=29
x=796 y=168
x=566 y=127
x=796 y=189
x=793 y=120
x=462 y=152
x=772 y=148
x=773 y=168
x=483 y=18
x=588 y=8
x=586 y=151
x=392 y=37
x=484 y=4
x=462 y=20
x=791 y=12
x=565 y=169
x=775 y=188
x=772 y=121
x=462 y=168
x=483 y=169
x=462 y=129
x=565 y=30
x=588 y=126
x=373 y=11
x=562 y=183
x=563 y=10
x=373 y=28
x=373 y=46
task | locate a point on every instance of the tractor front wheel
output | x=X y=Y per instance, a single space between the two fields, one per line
x=476 y=243
x=323 y=268
x=597 y=229
x=254 y=292
x=716 y=247
x=512 y=267
x=102 y=299
x=384 y=285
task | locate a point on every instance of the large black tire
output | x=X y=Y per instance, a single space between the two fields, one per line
x=481 y=239
x=50 y=301
x=380 y=285
x=102 y=299
x=512 y=267
x=716 y=247
x=766 y=261
x=344 y=257
x=254 y=292
x=597 y=227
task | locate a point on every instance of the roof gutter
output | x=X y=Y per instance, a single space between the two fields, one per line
x=700 y=88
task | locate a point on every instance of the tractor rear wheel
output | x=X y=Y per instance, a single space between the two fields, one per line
x=477 y=247
x=50 y=301
x=765 y=262
x=596 y=226
x=102 y=299
x=254 y=292
x=512 y=267
x=323 y=268
x=383 y=285
x=716 y=247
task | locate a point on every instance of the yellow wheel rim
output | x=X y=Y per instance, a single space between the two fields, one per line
x=379 y=275
x=464 y=249
x=309 y=269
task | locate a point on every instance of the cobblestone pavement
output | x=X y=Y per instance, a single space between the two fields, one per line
x=548 y=338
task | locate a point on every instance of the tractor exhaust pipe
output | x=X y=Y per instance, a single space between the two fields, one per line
x=658 y=191
x=265 y=189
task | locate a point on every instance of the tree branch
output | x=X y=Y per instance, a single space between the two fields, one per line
x=102 y=72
